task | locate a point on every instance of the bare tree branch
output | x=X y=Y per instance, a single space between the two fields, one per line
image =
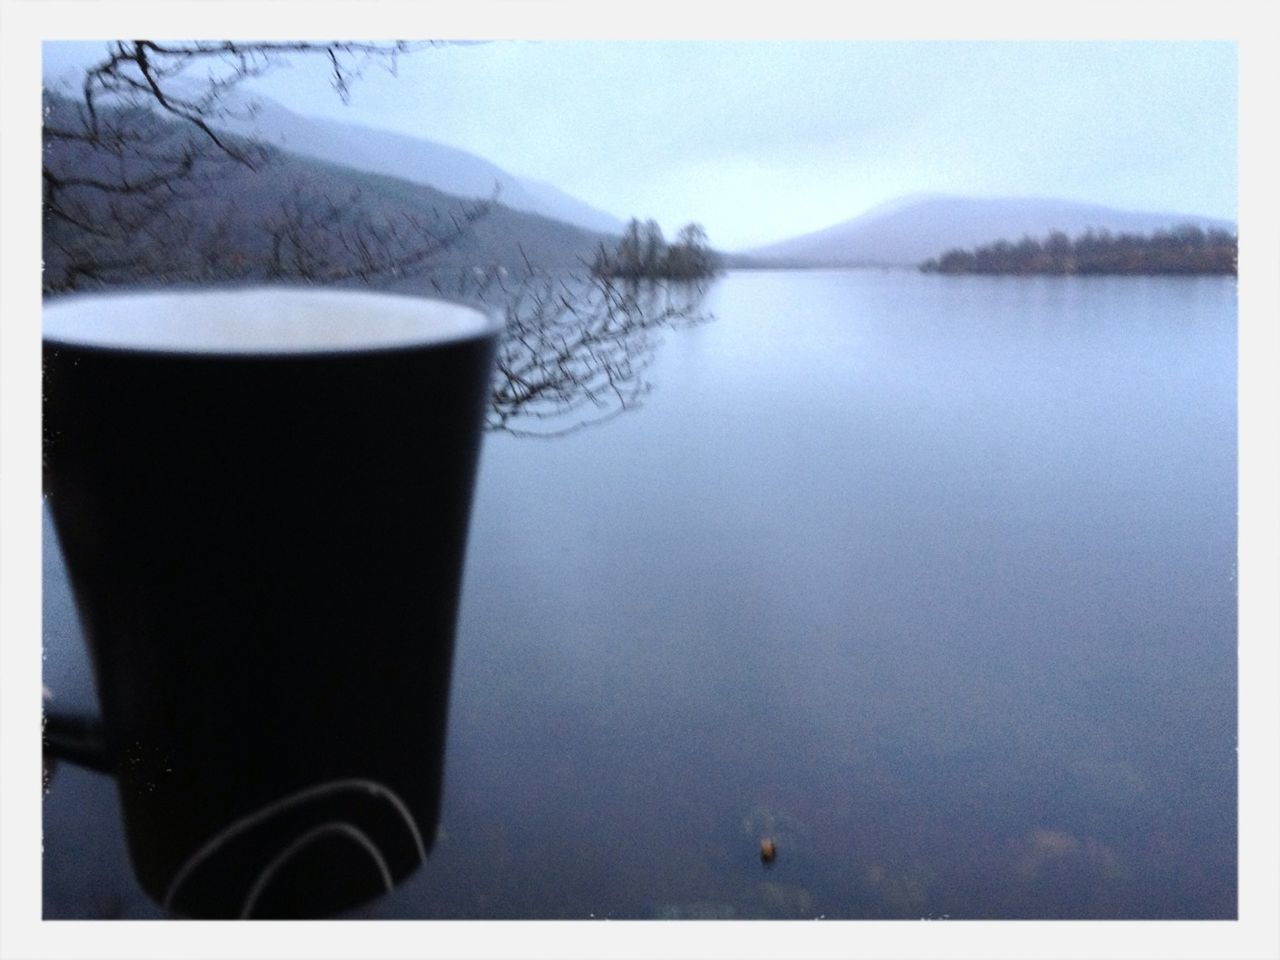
x=576 y=348
x=142 y=187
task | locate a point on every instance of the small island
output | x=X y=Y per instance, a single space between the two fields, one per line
x=642 y=253
x=1182 y=250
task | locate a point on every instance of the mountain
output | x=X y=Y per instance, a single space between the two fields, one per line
x=225 y=220
x=416 y=159
x=909 y=230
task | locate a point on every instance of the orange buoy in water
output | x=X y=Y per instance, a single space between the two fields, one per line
x=768 y=850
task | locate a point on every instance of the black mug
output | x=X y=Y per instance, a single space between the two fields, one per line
x=262 y=496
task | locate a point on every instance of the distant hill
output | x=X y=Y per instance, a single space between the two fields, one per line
x=228 y=209
x=912 y=229
x=415 y=159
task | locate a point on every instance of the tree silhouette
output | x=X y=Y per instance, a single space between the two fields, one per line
x=1184 y=249
x=132 y=159
x=643 y=254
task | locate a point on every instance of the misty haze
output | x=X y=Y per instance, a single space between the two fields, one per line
x=854 y=534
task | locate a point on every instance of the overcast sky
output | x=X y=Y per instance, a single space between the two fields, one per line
x=762 y=141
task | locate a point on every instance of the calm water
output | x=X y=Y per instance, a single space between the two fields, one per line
x=930 y=579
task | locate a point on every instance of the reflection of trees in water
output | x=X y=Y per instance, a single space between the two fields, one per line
x=576 y=346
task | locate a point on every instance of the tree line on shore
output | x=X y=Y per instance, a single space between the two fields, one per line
x=1186 y=249
x=643 y=253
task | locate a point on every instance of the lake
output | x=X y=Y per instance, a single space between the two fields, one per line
x=930 y=579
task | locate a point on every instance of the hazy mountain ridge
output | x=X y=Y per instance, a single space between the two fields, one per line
x=339 y=158
x=911 y=229
x=227 y=214
x=417 y=159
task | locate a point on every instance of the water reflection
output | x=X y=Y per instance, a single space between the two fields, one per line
x=930 y=579
x=576 y=347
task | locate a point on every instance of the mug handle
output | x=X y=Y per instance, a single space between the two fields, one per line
x=76 y=738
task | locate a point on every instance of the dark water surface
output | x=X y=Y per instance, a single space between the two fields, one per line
x=931 y=579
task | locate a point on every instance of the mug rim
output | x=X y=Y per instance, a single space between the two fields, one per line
x=491 y=321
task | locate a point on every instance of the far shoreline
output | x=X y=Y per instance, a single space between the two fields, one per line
x=915 y=269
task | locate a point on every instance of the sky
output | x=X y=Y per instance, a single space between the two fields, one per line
x=760 y=141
